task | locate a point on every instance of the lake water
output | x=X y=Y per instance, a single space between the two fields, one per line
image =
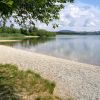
x=79 y=48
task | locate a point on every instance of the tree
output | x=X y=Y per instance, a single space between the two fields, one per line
x=29 y=10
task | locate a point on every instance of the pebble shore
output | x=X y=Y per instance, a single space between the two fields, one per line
x=76 y=80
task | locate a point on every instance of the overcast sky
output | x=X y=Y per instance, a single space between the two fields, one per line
x=83 y=15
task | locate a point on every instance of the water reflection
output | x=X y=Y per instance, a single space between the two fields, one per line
x=28 y=42
x=78 y=48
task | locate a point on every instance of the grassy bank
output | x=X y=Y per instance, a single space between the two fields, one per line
x=13 y=32
x=12 y=38
x=16 y=84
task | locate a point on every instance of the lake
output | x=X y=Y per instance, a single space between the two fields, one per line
x=79 y=48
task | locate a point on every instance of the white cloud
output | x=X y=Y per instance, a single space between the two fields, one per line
x=79 y=17
x=76 y=16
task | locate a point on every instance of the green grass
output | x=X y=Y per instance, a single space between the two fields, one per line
x=14 y=38
x=11 y=35
x=16 y=84
x=11 y=38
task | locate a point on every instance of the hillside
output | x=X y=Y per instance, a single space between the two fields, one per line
x=69 y=32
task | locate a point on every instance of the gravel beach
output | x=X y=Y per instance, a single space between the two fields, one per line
x=77 y=80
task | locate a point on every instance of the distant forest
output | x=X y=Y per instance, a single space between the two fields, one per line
x=78 y=33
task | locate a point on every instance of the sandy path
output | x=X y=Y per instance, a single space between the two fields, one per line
x=80 y=81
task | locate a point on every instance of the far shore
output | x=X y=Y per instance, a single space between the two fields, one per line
x=9 y=40
x=77 y=80
x=15 y=39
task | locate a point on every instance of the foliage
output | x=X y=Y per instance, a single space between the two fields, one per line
x=12 y=32
x=44 y=33
x=23 y=31
x=38 y=32
x=9 y=30
x=42 y=10
x=16 y=84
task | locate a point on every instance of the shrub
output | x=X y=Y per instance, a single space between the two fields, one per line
x=23 y=31
x=43 y=33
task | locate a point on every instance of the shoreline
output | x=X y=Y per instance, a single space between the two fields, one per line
x=10 y=39
x=77 y=80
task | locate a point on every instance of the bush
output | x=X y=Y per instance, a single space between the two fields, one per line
x=9 y=30
x=23 y=31
x=43 y=33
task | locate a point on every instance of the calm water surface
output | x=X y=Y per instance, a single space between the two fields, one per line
x=84 y=49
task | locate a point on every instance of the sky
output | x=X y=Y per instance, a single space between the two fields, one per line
x=82 y=15
x=90 y=2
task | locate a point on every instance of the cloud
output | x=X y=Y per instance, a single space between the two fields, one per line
x=78 y=17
